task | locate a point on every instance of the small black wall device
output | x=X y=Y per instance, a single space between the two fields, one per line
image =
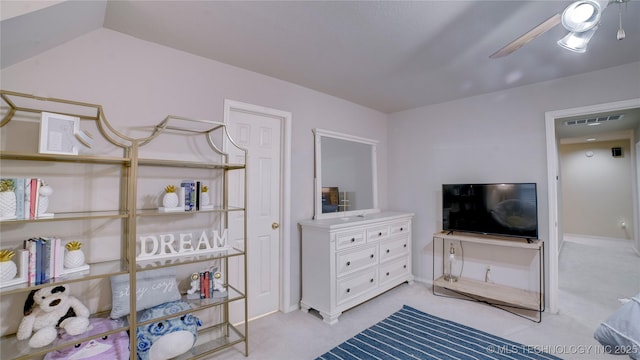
x=616 y=151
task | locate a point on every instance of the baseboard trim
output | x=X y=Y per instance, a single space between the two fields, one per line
x=428 y=282
x=597 y=240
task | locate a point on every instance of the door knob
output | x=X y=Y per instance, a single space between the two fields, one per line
x=275 y=225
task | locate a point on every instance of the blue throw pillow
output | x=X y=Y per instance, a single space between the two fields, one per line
x=153 y=287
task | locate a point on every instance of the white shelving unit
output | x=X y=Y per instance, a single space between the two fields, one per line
x=505 y=297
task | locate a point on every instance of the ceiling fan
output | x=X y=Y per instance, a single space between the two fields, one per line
x=580 y=18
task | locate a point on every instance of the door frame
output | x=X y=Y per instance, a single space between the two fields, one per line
x=284 y=303
x=553 y=182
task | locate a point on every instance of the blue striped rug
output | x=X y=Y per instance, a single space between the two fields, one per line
x=412 y=334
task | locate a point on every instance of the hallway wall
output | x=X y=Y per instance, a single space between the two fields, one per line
x=597 y=194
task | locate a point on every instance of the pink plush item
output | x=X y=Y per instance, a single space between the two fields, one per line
x=111 y=347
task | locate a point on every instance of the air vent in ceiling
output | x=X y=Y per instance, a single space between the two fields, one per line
x=593 y=120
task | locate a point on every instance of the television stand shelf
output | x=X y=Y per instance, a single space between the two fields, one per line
x=518 y=301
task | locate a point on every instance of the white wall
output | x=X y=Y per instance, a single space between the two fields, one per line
x=497 y=137
x=139 y=83
x=597 y=190
x=494 y=137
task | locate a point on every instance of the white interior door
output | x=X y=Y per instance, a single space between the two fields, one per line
x=260 y=133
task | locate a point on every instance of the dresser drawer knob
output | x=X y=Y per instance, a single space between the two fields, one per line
x=371 y=256
x=380 y=234
x=371 y=280
x=348 y=263
x=353 y=239
x=405 y=245
x=388 y=251
x=401 y=229
x=348 y=290
x=405 y=266
x=387 y=273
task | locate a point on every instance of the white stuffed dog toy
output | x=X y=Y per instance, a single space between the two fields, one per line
x=50 y=308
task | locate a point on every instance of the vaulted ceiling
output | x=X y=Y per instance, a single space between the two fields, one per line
x=386 y=55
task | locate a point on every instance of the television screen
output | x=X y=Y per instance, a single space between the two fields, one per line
x=496 y=209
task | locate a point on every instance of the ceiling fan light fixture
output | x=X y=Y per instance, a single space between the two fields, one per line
x=583 y=15
x=577 y=41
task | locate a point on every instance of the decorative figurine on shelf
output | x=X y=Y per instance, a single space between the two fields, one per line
x=167 y=338
x=218 y=285
x=48 y=309
x=194 y=290
x=43 y=199
x=74 y=256
x=205 y=199
x=170 y=198
x=7 y=199
x=8 y=269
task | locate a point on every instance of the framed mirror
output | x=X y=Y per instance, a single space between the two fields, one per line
x=345 y=175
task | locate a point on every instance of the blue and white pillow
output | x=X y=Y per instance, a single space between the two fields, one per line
x=167 y=338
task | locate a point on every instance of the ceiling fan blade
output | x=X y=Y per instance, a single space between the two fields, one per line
x=527 y=37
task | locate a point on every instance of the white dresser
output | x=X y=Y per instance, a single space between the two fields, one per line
x=346 y=261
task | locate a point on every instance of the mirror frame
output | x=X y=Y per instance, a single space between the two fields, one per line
x=317 y=179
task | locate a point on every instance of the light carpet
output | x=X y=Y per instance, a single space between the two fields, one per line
x=413 y=334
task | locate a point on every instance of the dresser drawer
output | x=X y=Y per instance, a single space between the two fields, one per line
x=348 y=239
x=353 y=286
x=394 y=269
x=377 y=232
x=392 y=248
x=400 y=228
x=354 y=260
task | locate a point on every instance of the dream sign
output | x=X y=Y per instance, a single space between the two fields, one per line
x=162 y=246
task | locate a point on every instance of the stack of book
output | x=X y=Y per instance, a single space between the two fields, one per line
x=46 y=260
x=193 y=195
x=27 y=197
x=207 y=284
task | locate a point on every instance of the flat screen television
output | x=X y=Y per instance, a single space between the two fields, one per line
x=506 y=209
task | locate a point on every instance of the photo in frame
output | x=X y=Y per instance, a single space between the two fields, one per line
x=330 y=199
x=58 y=134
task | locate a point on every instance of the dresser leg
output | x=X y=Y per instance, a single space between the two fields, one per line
x=330 y=319
x=304 y=307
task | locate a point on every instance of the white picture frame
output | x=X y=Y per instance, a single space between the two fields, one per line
x=58 y=134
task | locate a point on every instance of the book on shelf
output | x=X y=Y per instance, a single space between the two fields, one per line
x=58 y=254
x=202 y=285
x=211 y=272
x=46 y=259
x=27 y=198
x=23 y=269
x=34 y=186
x=39 y=250
x=198 y=193
x=19 y=189
x=189 y=194
x=31 y=246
